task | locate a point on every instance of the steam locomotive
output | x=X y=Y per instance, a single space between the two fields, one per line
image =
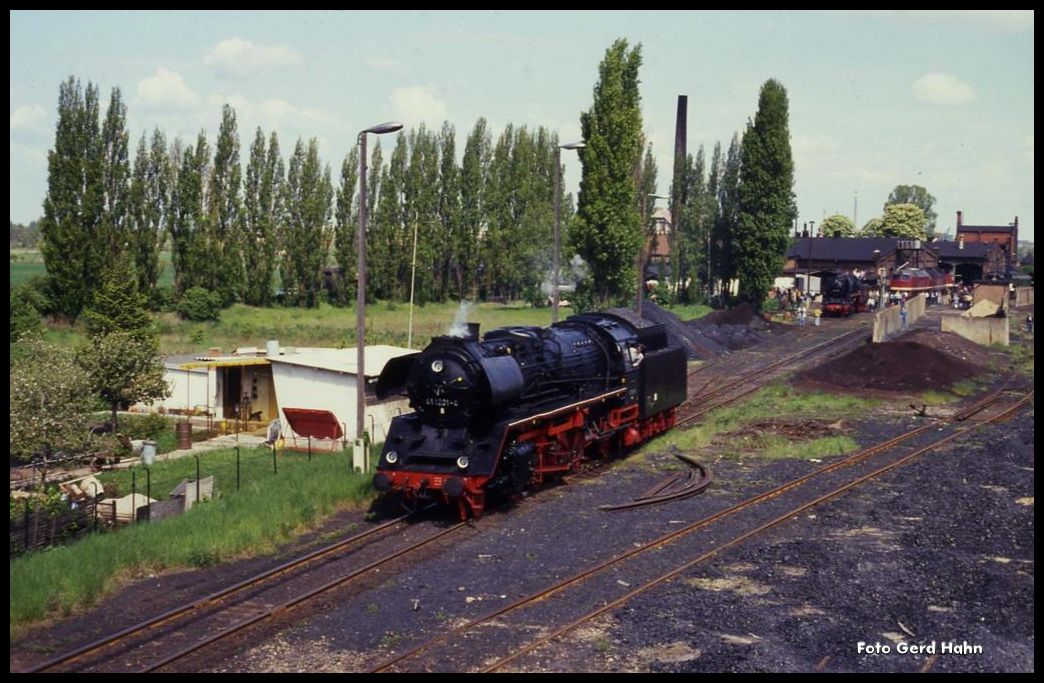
x=843 y=294
x=523 y=405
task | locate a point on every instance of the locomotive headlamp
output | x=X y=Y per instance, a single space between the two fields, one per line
x=436 y=366
x=462 y=462
x=392 y=457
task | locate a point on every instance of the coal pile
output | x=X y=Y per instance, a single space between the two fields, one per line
x=899 y=366
x=697 y=346
x=736 y=328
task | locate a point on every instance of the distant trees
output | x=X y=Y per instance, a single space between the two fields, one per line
x=476 y=227
x=918 y=196
x=899 y=220
x=838 y=223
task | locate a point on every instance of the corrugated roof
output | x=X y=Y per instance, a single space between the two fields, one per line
x=948 y=249
x=986 y=228
x=344 y=360
x=841 y=248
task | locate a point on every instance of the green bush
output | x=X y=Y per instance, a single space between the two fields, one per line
x=199 y=304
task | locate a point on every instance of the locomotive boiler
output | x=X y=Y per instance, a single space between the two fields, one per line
x=522 y=405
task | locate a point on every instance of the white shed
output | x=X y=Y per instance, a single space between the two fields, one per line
x=324 y=379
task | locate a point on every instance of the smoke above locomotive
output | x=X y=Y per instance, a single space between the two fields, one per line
x=523 y=404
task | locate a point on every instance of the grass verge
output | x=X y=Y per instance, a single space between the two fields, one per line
x=776 y=402
x=268 y=509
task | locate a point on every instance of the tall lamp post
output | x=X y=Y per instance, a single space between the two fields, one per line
x=360 y=315
x=641 y=252
x=558 y=220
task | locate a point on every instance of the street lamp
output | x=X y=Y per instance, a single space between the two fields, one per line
x=558 y=219
x=641 y=251
x=360 y=315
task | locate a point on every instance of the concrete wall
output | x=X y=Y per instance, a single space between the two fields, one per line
x=888 y=322
x=188 y=391
x=1023 y=296
x=998 y=294
x=985 y=331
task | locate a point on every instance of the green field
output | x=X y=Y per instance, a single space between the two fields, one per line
x=327 y=326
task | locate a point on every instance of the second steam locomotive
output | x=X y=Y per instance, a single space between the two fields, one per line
x=524 y=404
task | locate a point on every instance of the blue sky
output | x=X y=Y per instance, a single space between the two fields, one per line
x=942 y=99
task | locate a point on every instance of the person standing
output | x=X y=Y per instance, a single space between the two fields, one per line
x=801 y=314
x=902 y=311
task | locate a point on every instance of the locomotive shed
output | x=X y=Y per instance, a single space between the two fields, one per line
x=941 y=548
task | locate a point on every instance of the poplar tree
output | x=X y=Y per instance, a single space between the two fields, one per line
x=190 y=217
x=723 y=251
x=70 y=239
x=149 y=210
x=384 y=241
x=346 y=222
x=307 y=234
x=473 y=176
x=115 y=178
x=606 y=231
x=766 y=193
x=262 y=209
x=449 y=237
x=225 y=243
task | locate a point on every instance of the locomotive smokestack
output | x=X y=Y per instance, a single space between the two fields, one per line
x=473 y=331
x=960 y=217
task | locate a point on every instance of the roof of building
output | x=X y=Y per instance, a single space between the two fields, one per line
x=972 y=250
x=987 y=228
x=841 y=248
x=344 y=361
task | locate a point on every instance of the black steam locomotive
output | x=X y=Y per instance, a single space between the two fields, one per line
x=524 y=404
x=844 y=293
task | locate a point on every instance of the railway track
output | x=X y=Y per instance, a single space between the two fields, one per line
x=750 y=517
x=176 y=634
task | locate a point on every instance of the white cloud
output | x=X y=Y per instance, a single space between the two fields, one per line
x=28 y=116
x=418 y=104
x=944 y=89
x=238 y=58
x=167 y=89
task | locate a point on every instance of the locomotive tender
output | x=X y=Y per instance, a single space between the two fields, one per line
x=524 y=404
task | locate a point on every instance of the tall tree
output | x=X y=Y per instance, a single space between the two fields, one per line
x=473 y=177
x=918 y=196
x=450 y=224
x=149 y=209
x=262 y=211
x=606 y=231
x=767 y=208
x=307 y=233
x=723 y=248
x=189 y=217
x=385 y=242
x=346 y=221
x=115 y=170
x=70 y=238
x=225 y=243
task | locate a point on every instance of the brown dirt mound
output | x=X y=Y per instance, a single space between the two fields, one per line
x=899 y=366
x=738 y=315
